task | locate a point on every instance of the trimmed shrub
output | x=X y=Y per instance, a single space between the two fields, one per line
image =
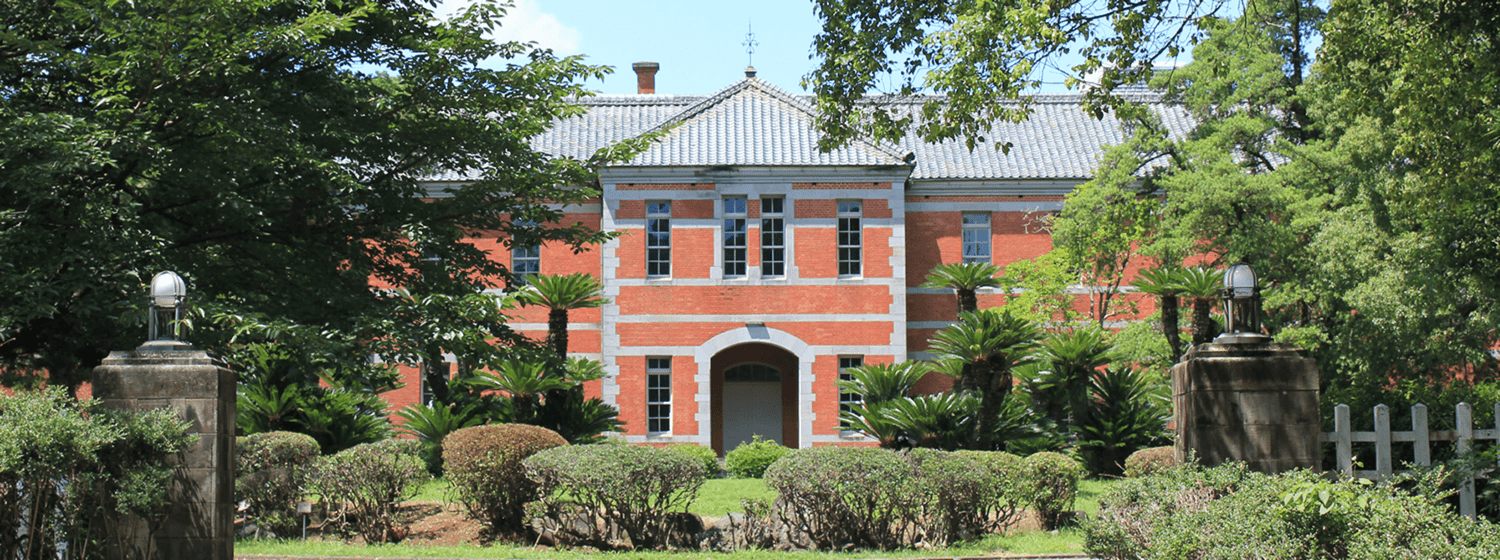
x=750 y=460
x=271 y=470
x=69 y=468
x=1150 y=460
x=1229 y=512
x=704 y=455
x=364 y=484
x=642 y=491
x=484 y=465
x=839 y=497
x=1054 y=480
x=971 y=493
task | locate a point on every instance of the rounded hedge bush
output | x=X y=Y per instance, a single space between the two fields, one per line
x=750 y=460
x=704 y=455
x=849 y=496
x=368 y=481
x=483 y=464
x=271 y=470
x=1054 y=479
x=1150 y=460
x=642 y=489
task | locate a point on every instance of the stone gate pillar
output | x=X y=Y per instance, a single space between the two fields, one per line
x=1251 y=402
x=166 y=372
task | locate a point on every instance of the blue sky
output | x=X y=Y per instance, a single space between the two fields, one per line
x=699 y=43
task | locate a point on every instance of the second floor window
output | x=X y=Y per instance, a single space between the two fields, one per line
x=850 y=238
x=526 y=262
x=976 y=236
x=772 y=237
x=658 y=239
x=734 y=236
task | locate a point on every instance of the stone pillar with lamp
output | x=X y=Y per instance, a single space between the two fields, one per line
x=167 y=372
x=1244 y=397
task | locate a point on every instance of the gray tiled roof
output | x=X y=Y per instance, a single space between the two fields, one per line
x=755 y=124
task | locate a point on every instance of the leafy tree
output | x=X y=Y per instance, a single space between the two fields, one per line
x=974 y=53
x=965 y=279
x=988 y=343
x=1074 y=356
x=1202 y=285
x=1163 y=282
x=250 y=147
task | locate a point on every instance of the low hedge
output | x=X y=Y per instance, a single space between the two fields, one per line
x=365 y=483
x=271 y=470
x=1230 y=512
x=639 y=490
x=1150 y=460
x=750 y=460
x=704 y=455
x=484 y=466
x=1054 y=484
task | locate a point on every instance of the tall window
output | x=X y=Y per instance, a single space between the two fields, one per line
x=976 y=237
x=658 y=395
x=849 y=238
x=734 y=236
x=846 y=398
x=658 y=239
x=772 y=237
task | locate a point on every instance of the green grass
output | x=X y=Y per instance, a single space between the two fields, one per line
x=722 y=495
x=435 y=490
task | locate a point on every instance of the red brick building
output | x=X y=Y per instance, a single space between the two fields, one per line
x=752 y=268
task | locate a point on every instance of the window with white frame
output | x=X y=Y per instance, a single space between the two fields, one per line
x=658 y=395
x=659 y=238
x=976 y=237
x=773 y=237
x=526 y=262
x=735 y=243
x=850 y=238
x=846 y=399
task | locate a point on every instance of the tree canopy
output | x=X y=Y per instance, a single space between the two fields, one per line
x=272 y=152
x=1360 y=179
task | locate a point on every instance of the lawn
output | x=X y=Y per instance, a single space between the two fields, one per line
x=717 y=497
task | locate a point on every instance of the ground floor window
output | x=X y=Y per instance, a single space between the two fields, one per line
x=658 y=395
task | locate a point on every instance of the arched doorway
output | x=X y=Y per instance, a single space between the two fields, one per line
x=753 y=391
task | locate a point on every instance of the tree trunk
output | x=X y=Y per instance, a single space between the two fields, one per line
x=1169 y=325
x=435 y=372
x=968 y=300
x=1203 y=321
x=996 y=384
x=557 y=332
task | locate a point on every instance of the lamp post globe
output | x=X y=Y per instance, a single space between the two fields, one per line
x=164 y=306
x=1241 y=306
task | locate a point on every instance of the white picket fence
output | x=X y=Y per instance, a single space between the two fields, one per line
x=1420 y=436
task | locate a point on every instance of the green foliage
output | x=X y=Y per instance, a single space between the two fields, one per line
x=124 y=161
x=70 y=469
x=1039 y=288
x=484 y=466
x=849 y=496
x=1054 y=481
x=976 y=492
x=1128 y=410
x=1062 y=391
x=639 y=488
x=704 y=455
x=988 y=343
x=270 y=474
x=751 y=459
x=279 y=390
x=431 y=424
x=1228 y=512
x=364 y=484
x=1149 y=461
x=965 y=279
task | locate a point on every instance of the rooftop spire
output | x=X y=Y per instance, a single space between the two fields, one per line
x=750 y=44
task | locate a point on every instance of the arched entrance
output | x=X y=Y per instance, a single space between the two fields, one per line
x=753 y=390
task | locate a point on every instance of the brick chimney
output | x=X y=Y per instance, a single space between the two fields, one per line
x=645 y=76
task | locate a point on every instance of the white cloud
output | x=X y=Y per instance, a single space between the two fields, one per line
x=525 y=21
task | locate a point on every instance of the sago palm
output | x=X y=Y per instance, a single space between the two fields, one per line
x=1165 y=284
x=989 y=342
x=1203 y=285
x=964 y=278
x=559 y=294
x=1073 y=358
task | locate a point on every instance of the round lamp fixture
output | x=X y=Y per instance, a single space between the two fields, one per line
x=1241 y=307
